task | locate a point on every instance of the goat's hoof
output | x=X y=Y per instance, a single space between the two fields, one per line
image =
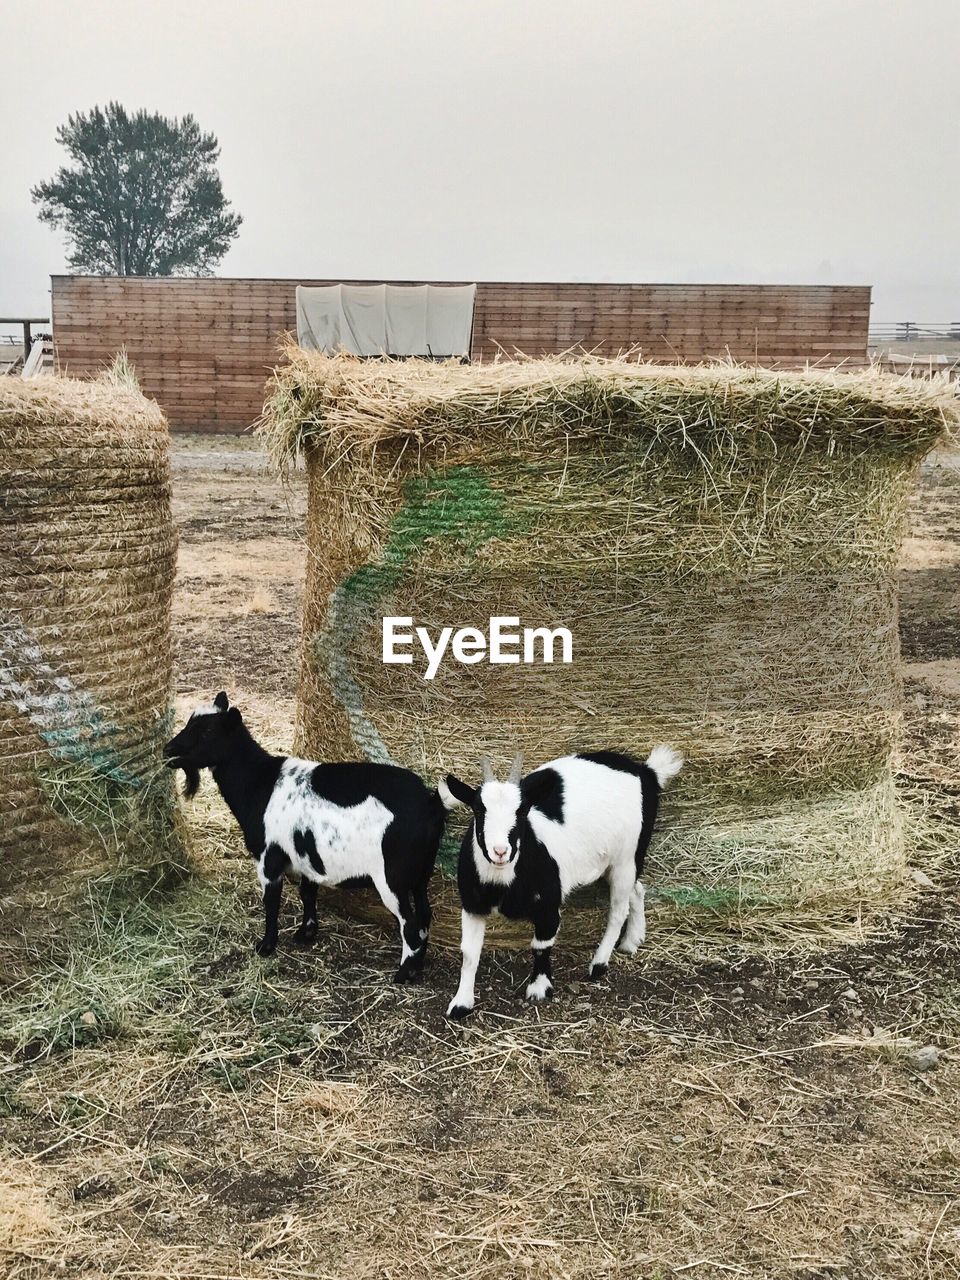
x=265 y=947
x=539 y=989
x=628 y=948
x=597 y=971
x=408 y=973
x=305 y=936
x=459 y=1011
x=405 y=975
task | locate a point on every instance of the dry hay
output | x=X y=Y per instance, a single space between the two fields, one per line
x=625 y=1137
x=28 y=1219
x=722 y=542
x=87 y=553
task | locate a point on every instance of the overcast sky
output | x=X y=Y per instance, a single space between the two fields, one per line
x=803 y=141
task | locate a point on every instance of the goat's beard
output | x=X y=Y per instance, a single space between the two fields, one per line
x=191 y=781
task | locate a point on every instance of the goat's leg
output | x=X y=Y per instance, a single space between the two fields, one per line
x=272 y=893
x=545 y=927
x=424 y=914
x=270 y=868
x=421 y=917
x=472 y=929
x=307 y=932
x=636 y=930
x=414 y=948
x=410 y=940
x=621 y=892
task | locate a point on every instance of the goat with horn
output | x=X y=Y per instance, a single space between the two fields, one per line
x=534 y=840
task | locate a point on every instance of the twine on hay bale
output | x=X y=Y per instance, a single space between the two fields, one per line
x=723 y=544
x=87 y=557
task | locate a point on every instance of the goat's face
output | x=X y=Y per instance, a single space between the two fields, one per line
x=498 y=816
x=203 y=742
x=499 y=811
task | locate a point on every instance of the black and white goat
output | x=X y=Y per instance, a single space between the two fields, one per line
x=327 y=823
x=534 y=840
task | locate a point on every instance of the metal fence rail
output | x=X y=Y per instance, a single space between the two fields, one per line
x=914 y=331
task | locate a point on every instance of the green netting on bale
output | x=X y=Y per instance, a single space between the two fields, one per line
x=721 y=542
x=458 y=508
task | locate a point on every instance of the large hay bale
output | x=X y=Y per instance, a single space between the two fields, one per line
x=722 y=543
x=87 y=556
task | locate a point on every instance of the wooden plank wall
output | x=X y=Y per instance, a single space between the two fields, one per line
x=203 y=347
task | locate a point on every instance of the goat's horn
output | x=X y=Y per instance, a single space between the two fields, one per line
x=516 y=769
x=487 y=767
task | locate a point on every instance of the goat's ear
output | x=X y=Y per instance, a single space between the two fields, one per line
x=221 y=701
x=233 y=718
x=466 y=795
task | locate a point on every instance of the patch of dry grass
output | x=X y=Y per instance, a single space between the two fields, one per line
x=31 y=1225
x=261 y=601
x=583 y=1140
x=304 y=1118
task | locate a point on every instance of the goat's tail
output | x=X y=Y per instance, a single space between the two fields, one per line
x=446 y=796
x=665 y=763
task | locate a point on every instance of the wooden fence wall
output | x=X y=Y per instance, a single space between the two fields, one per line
x=203 y=347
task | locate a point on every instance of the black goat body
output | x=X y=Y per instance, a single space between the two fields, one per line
x=330 y=824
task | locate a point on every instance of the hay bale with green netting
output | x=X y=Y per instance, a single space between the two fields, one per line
x=723 y=545
x=87 y=557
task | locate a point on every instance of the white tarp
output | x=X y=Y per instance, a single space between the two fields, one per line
x=386 y=319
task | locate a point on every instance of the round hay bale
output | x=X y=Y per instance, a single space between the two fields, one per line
x=721 y=542
x=87 y=557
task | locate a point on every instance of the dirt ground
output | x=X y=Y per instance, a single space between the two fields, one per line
x=173 y=1107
